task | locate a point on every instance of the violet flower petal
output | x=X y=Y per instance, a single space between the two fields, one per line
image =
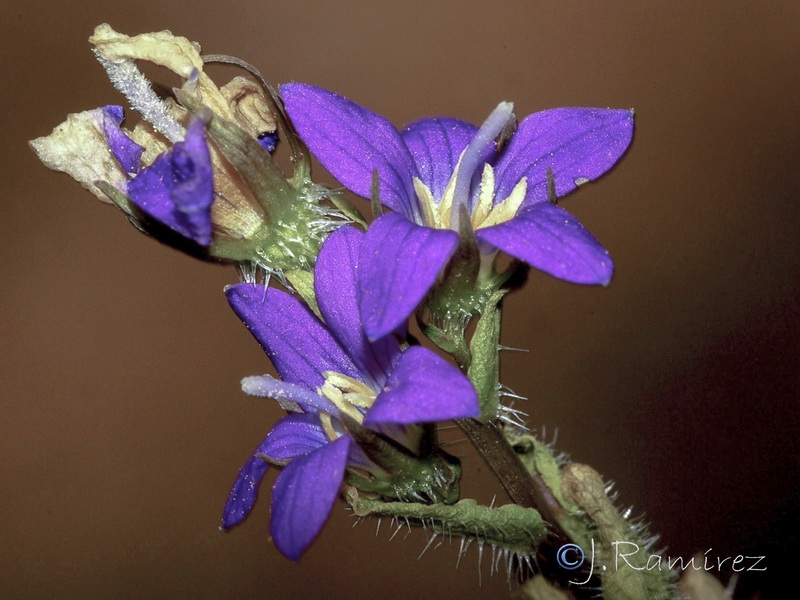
x=127 y=152
x=578 y=144
x=178 y=188
x=399 y=263
x=294 y=435
x=193 y=193
x=244 y=491
x=297 y=343
x=423 y=388
x=336 y=285
x=436 y=145
x=552 y=240
x=304 y=495
x=352 y=143
x=269 y=141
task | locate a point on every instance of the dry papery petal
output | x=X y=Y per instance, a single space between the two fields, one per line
x=162 y=48
x=78 y=147
x=242 y=101
x=249 y=106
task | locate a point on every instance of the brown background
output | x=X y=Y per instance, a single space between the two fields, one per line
x=122 y=424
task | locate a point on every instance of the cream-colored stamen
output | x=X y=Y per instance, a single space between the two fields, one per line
x=486 y=196
x=505 y=210
x=347 y=394
x=485 y=213
x=437 y=214
x=430 y=209
x=327 y=426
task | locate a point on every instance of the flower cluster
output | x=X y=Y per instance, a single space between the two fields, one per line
x=333 y=380
x=362 y=395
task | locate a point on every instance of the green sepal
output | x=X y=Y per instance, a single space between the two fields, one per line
x=434 y=476
x=452 y=300
x=511 y=526
x=348 y=209
x=451 y=340
x=484 y=370
x=375 y=196
x=303 y=284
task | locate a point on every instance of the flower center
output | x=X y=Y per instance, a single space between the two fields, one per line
x=486 y=211
x=445 y=213
x=351 y=396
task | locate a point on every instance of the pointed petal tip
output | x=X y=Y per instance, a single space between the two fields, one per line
x=550 y=239
x=243 y=493
x=352 y=142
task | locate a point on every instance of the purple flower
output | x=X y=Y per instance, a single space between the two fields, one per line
x=177 y=189
x=329 y=370
x=437 y=169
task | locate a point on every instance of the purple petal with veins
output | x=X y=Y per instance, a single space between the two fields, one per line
x=399 y=263
x=294 y=435
x=178 y=188
x=304 y=494
x=352 y=143
x=244 y=492
x=127 y=152
x=552 y=240
x=336 y=287
x=436 y=145
x=424 y=388
x=578 y=144
x=297 y=343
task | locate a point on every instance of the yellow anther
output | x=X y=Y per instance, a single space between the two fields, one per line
x=486 y=197
x=505 y=210
x=327 y=426
x=347 y=394
x=430 y=210
x=485 y=213
x=448 y=197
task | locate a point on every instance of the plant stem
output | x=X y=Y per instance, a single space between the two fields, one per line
x=504 y=463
